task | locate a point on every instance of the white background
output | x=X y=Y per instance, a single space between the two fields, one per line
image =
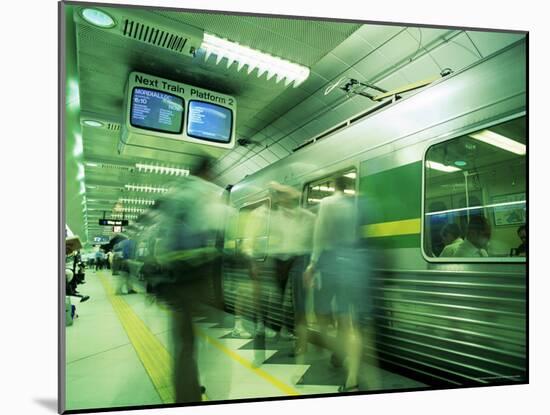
x=28 y=174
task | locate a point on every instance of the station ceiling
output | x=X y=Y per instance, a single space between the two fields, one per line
x=275 y=118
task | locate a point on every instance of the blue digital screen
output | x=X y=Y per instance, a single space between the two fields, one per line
x=209 y=122
x=156 y=110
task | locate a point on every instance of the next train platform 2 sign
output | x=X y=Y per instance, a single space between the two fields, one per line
x=113 y=222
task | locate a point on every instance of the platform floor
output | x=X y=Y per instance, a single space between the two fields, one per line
x=119 y=354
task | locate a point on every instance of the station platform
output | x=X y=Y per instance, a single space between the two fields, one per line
x=119 y=354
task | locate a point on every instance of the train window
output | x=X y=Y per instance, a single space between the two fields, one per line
x=475 y=194
x=319 y=189
x=252 y=229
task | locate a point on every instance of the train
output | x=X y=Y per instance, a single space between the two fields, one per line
x=424 y=161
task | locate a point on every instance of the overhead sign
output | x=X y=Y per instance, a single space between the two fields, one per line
x=165 y=115
x=113 y=222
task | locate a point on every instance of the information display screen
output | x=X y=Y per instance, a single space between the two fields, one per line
x=209 y=122
x=157 y=111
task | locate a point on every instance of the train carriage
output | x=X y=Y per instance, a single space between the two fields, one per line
x=431 y=158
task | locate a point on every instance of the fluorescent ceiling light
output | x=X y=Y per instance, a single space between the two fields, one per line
x=80 y=175
x=493 y=205
x=351 y=175
x=434 y=165
x=98 y=18
x=148 y=202
x=311 y=199
x=120 y=216
x=349 y=191
x=145 y=188
x=93 y=123
x=172 y=171
x=129 y=209
x=254 y=59
x=497 y=140
x=73 y=94
x=78 y=148
x=91 y=164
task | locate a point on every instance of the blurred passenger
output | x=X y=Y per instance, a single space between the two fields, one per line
x=125 y=248
x=99 y=259
x=286 y=253
x=151 y=222
x=450 y=234
x=239 y=330
x=345 y=275
x=522 y=234
x=478 y=234
x=108 y=259
x=189 y=218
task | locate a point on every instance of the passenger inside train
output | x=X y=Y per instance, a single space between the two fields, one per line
x=347 y=214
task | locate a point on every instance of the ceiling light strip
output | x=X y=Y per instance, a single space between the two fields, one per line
x=159 y=169
x=434 y=165
x=145 y=188
x=497 y=140
x=254 y=59
x=148 y=202
x=493 y=205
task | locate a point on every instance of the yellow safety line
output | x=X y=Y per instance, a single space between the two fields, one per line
x=153 y=355
x=395 y=228
x=288 y=390
x=283 y=387
x=156 y=359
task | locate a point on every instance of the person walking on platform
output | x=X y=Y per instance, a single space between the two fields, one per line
x=188 y=218
x=125 y=249
x=344 y=278
x=286 y=254
x=98 y=259
x=108 y=259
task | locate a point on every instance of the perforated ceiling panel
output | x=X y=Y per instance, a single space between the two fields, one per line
x=300 y=41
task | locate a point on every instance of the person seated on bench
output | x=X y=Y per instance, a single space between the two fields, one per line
x=73 y=244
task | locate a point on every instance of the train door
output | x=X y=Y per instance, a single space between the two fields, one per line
x=314 y=192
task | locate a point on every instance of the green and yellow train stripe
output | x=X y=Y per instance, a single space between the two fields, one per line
x=393 y=228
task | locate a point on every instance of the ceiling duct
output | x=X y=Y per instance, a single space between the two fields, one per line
x=154 y=35
x=112 y=126
x=152 y=29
